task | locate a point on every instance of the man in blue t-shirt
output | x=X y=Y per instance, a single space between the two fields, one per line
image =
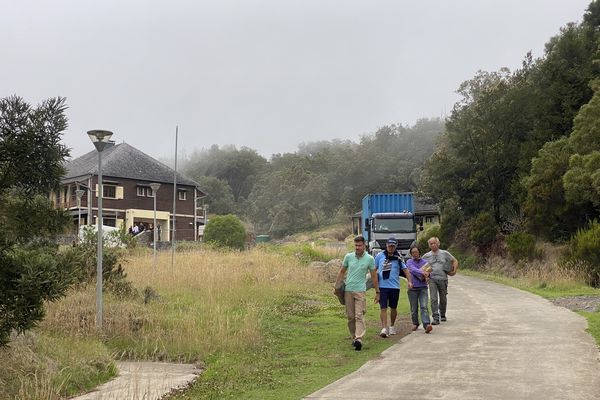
x=388 y=264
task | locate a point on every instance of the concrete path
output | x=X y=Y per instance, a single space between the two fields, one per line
x=144 y=381
x=498 y=343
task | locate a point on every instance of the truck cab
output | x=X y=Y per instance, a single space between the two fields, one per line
x=399 y=225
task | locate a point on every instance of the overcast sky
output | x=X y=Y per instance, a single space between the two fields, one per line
x=263 y=74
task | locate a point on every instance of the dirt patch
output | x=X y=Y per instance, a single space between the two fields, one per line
x=579 y=303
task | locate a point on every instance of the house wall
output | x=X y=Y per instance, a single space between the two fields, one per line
x=133 y=208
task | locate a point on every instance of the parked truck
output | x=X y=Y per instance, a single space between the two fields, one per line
x=386 y=215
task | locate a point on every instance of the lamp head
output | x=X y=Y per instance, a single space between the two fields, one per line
x=100 y=138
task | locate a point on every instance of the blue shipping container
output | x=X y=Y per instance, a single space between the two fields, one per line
x=385 y=202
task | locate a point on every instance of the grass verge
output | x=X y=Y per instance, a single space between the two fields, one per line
x=262 y=323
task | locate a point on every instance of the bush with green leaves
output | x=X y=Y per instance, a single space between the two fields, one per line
x=483 y=231
x=32 y=270
x=521 y=246
x=585 y=246
x=431 y=231
x=84 y=259
x=225 y=230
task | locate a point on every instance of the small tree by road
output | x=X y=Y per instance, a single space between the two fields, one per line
x=32 y=270
x=225 y=230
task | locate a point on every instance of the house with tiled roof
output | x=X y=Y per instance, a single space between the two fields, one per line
x=128 y=199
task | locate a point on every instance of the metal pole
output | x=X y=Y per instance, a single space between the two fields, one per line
x=174 y=201
x=99 y=261
x=78 y=219
x=79 y=194
x=154 y=187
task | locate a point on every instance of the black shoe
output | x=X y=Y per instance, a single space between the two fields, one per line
x=357 y=345
x=443 y=319
x=435 y=322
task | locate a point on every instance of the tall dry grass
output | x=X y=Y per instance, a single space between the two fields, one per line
x=211 y=300
x=549 y=271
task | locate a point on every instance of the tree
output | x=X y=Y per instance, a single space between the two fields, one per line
x=239 y=168
x=225 y=230
x=220 y=198
x=32 y=270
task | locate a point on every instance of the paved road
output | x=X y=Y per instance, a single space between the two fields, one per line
x=144 y=381
x=498 y=343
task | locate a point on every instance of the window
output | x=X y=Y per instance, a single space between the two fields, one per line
x=182 y=195
x=428 y=220
x=382 y=225
x=109 y=191
x=108 y=221
x=144 y=191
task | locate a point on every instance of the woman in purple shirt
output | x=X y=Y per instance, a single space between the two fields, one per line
x=417 y=295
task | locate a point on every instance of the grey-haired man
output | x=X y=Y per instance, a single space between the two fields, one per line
x=443 y=264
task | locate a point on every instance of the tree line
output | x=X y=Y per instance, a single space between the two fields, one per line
x=319 y=183
x=524 y=146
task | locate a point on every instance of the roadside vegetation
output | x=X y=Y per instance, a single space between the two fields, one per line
x=262 y=323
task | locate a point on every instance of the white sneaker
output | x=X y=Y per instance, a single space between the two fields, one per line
x=392 y=330
x=383 y=332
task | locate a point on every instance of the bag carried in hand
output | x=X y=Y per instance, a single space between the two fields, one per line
x=339 y=289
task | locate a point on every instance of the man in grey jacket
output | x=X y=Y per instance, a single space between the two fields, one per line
x=443 y=264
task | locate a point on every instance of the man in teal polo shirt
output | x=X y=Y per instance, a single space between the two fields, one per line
x=354 y=268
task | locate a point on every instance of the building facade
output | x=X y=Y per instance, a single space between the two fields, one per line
x=128 y=199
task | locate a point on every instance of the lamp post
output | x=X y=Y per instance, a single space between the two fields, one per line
x=205 y=209
x=154 y=187
x=79 y=194
x=100 y=138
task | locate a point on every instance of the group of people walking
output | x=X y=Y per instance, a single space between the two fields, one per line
x=426 y=276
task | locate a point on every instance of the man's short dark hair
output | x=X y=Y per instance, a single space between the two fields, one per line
x=359 y=239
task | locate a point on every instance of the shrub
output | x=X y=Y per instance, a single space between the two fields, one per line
x=585 y=246
x=433 y=230
x=225 y=230
x=484 y=231
x=521 y=246
x=452 y=219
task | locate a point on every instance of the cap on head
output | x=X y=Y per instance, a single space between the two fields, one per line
x=392 y=241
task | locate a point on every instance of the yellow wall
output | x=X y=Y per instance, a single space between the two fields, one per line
x=162 y=217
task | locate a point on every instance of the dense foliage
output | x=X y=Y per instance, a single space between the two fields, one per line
x=31 y=268
x=584 y=247
x=225 y=231
x=316 y=184
x=523 y=145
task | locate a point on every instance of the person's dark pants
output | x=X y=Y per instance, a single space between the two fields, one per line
x=419 y=299
x=438 y=290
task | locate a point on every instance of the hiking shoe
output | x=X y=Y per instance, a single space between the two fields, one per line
x=415 y=327
x=428 y=329
x=435 y=322
x=357 y=345
x=443 y=319
x=392 y=330
x=383 y=333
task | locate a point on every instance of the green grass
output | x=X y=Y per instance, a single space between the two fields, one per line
x=38 y=365
x=593 y=324
x=306 y=346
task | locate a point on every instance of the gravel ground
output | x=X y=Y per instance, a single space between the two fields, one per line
x=579 y=303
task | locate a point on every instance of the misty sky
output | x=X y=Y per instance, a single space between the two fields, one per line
x=263 y=74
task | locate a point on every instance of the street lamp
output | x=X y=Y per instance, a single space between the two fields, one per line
x=205 y=209
x=154 y=187
x=100 y=138
x=79 y=193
